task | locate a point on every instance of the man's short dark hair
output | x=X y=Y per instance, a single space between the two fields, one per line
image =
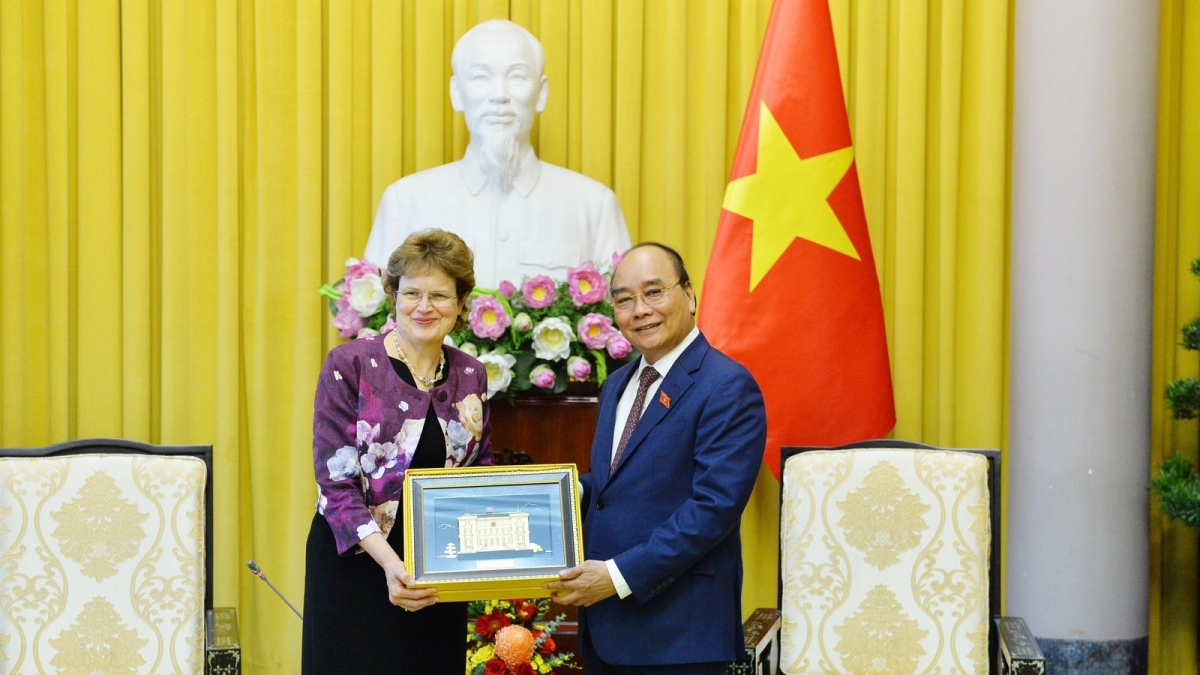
x=676 y=259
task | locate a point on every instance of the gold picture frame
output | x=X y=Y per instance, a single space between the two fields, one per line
x=491 y=532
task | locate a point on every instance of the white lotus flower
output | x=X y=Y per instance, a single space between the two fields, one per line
x=366 y=294
x=552 y=339
x=499 y=371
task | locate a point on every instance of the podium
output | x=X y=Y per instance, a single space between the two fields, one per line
x=548 y=429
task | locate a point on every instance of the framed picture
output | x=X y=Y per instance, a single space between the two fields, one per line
x=492 y=532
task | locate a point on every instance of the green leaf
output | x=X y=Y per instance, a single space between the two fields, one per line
x=518 y=339
x=601 y=361
x=333 y=291
x=524 y=364
x=560 y=379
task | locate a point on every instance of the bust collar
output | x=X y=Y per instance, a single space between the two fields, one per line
x=523 y=182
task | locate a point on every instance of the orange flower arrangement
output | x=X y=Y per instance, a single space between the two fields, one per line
x=511 y=637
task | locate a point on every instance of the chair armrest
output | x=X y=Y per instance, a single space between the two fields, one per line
x=761 y=632
x=1019 y=653
x=222 y=650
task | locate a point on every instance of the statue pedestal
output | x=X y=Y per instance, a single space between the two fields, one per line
x=548 y=429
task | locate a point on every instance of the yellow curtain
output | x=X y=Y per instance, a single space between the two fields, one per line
x=1173 y=549
x=178 y=176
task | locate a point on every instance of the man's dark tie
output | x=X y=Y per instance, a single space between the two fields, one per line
x=649 y=375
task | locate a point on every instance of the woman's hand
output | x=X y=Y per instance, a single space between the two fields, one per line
x=401 y=592
x=400 y=585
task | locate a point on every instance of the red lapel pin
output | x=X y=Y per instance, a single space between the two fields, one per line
x=664 y=399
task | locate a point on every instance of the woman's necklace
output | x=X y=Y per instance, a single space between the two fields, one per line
x=427 y=381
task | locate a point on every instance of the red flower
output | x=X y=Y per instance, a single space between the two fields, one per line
x=523 y=669
x=488 y=624
x=495 y=667
x=524 y=610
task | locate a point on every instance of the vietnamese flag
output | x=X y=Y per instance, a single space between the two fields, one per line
x=791 y=290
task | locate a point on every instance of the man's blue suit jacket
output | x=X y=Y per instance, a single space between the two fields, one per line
x=669 y=512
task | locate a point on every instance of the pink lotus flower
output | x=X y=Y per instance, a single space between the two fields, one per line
x=488 y=318
x=617 y=257
x=586 y=284
x=388 y=326
x=578 y=368
x=542 y=376
x=347 y=321
x=507 y=289
x=357 y=269
x=594 y=330
x=618 y=346
x=538 y=291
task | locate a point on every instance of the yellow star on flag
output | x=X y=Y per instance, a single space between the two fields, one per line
x=788 y=198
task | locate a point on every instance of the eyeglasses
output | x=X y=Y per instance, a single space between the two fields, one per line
x=412 y=297
x=653 y=297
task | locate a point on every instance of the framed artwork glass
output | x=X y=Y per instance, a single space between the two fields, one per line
x=491 y=532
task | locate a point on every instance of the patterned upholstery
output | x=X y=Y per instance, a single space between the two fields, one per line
x=885 y=562
x=102 y=564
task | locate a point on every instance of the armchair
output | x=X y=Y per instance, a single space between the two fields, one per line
x=105 y=557
x=888 y=564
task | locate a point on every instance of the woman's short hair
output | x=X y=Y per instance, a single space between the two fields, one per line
x=428 y=250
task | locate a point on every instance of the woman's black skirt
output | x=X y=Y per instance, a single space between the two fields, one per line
x=350 y=626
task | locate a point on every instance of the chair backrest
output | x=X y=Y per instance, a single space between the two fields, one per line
x=887 y=562
x=105 y=557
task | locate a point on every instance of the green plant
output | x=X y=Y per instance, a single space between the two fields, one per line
x=1178 y=490
x=1183 y=396
x=1177 y=485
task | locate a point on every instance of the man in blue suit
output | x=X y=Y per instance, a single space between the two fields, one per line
x=678 y=444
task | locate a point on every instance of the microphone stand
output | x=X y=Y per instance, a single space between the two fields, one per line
x=257 y=571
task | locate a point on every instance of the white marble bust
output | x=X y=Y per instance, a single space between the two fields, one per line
x=520 y=215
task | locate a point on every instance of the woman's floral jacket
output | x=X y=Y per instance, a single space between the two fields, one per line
x=366 y=424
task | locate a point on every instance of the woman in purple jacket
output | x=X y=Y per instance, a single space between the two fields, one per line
x=384 y=405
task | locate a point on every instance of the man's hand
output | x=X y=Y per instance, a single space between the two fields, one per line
x=583 y=585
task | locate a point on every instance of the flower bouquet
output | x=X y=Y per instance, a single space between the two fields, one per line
x=540 y=337
x=358 y=302
x=510 y=637
x=544 y=334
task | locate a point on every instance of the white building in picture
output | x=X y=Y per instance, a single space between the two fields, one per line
x=487 y=532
